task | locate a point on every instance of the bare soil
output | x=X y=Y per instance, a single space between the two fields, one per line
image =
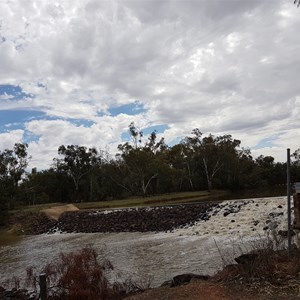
x=219 y=291
x=55 y=212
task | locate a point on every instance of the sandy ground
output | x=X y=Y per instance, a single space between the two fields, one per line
x=54 y=212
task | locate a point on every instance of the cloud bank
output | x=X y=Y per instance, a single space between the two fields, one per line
x=80 y=72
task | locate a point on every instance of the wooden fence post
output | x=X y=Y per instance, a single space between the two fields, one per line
x=43 y=287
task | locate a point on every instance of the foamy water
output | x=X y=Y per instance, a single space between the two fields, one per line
x=247 y=218
x=160 y=256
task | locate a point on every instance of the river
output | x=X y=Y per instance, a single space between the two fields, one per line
x=145 y=257
x=157 y=257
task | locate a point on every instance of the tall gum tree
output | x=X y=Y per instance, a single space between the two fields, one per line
x=13 y=163
x=142 y=161
x=77 y=162
x=212 y=153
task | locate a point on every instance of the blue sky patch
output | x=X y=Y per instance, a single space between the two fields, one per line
x=30 y=137
x=175 y=141
x=125 y=136
x=267 y=142
x=12 y=92
x=81 y=122
x=131 y=109
x=16 y=118
x=158 y=128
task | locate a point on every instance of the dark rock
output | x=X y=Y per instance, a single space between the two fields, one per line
x=274 y=214
x=232 y=221
x=186 y=278
x=246 y=258
x=284 y=233
x=255 y=223
x=279 y=206
x=16 y=294
x=155 y=219
x=226 y=213
x=266 y=228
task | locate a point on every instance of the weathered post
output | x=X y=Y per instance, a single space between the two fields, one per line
x=296 y=198
x=288 y=197
x=43 y=287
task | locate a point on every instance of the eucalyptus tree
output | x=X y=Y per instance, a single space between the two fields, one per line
x=182 y=164
x=295 y=166
x=51 y=185
x=211 y=153
x=296 y=155
x=77 y=162
x=13 y=163
x=143 y=161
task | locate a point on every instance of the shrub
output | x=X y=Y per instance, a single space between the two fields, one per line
x=77 y=276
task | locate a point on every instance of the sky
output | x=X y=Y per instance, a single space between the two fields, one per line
x=79 y=72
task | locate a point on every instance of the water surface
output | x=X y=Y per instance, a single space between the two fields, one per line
x=154 y=257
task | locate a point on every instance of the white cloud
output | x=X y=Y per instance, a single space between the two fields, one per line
x=8 y=139
x=224 y=67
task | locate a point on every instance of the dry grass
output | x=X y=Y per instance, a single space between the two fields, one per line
x=166 y=199
x=264 y=265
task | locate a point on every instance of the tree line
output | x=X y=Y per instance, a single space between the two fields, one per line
x=141 y=167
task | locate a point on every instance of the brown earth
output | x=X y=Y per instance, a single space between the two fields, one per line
x=193 y=291
x=217 y=291
x=55 y=212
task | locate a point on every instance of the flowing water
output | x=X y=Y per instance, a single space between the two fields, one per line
x=153 y=257
x=158 y=257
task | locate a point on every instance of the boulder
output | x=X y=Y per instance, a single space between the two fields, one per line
x=154 y=219
x=186 y=278
x=245 y=259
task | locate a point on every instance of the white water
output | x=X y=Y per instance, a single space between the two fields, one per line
x=157 y=256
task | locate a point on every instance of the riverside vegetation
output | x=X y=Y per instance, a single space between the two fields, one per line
x=141 y=168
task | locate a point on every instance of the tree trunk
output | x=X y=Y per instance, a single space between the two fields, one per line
x=209 y=185
x=144 y=187
x=190 y=180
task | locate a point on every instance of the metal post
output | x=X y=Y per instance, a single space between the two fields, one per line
x=288 y=197
x=43 y=287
